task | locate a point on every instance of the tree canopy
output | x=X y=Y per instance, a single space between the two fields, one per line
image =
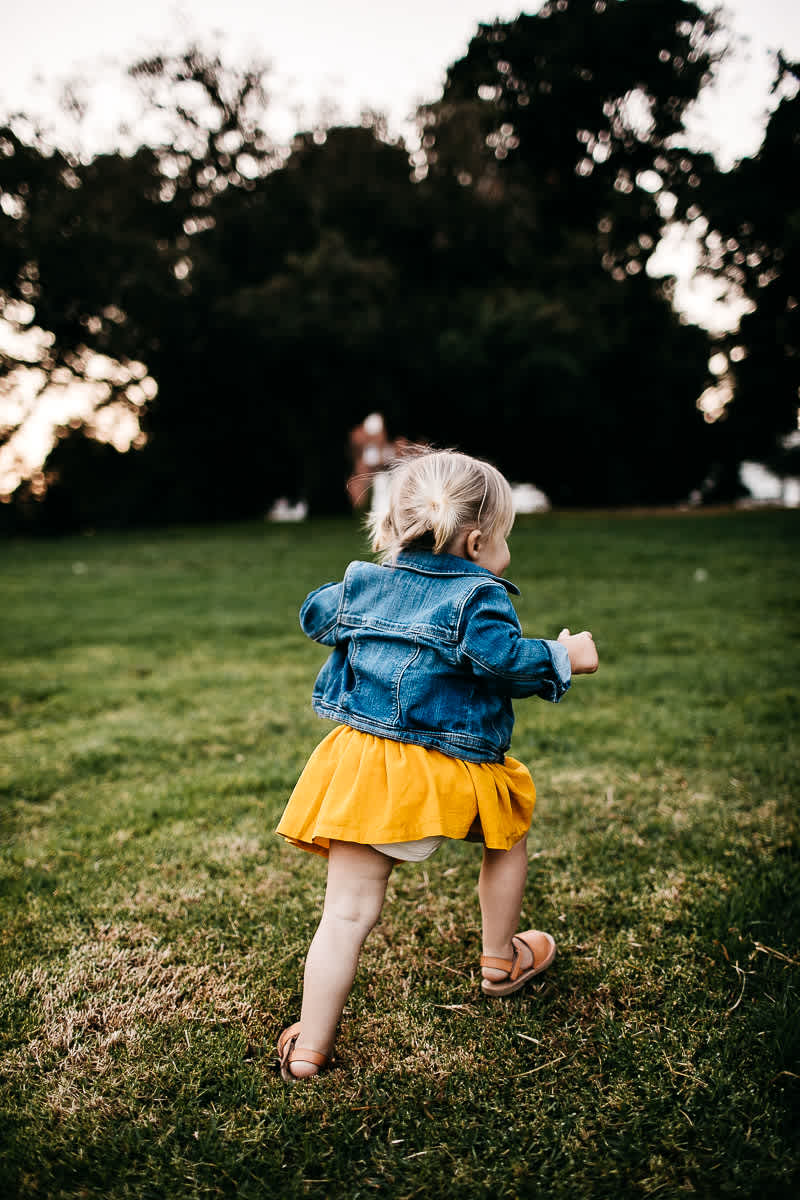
x=753 y=238
x=489 y=292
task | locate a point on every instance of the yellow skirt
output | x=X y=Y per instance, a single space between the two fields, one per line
x=356 y=787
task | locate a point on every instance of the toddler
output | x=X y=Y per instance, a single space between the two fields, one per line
x=427 y=654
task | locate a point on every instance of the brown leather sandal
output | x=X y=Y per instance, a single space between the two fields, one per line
x=289 y=1052
x=517 y=976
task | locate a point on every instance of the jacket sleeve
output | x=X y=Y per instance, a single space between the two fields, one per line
x=495 y=649
x=319 y=612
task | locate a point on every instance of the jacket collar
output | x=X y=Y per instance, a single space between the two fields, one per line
x=428 y=563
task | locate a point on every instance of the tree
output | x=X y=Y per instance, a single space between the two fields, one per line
x=104 y=251
x=574 y=115
x=565 y=126
x=753 y=238
x=257 y=289
x=494 y=297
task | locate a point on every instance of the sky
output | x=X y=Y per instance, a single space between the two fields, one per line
x=324 y=54
x=330 y=59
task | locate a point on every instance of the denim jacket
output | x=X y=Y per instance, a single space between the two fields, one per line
x=430 y=651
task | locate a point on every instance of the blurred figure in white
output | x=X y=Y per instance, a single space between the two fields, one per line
x=282 y=510
x=767 y=488
x=529 y=499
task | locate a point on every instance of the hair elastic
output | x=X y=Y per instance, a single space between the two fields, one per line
x=485 y=493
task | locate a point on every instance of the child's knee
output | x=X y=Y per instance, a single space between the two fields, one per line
x=357 y=907
x=349 y=923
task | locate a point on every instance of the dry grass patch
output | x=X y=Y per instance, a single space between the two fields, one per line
x=114 y=992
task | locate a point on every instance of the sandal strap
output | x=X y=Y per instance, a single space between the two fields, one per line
x=511 y=966
x=516 y=969
x=499 y=964
x=312 y=1056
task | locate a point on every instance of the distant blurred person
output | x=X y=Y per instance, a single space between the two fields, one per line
x=371 y=452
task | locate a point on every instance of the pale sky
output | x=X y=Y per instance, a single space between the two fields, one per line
x=347 y=53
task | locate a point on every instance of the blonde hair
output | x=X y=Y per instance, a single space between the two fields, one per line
x=433 y=494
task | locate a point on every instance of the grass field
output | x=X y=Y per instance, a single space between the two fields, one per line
x=154 y=715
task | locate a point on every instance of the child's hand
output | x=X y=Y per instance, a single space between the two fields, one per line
x=581 y=650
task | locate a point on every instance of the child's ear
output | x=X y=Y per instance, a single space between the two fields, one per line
x=473 y=543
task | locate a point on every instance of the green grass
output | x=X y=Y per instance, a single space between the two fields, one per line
x=154 y=715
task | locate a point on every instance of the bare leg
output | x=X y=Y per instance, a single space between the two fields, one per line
x=501 y=887
x=357 y=878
